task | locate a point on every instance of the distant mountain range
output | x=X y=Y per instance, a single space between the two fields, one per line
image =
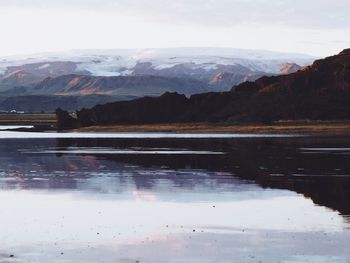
x=138 y=73
x=319 y=92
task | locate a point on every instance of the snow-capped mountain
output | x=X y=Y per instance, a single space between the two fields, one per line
x=129 y=73
x=132 y=61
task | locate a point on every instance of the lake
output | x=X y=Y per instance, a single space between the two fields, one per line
x=161 y=197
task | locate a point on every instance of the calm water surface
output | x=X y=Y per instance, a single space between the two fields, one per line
x=165 y=198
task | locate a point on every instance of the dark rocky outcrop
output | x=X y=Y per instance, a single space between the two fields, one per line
x=320 y=92
x=65 y=120
x=170 y=106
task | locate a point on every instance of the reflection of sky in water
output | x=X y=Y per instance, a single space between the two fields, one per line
x=40 y=135
x=80 y=208
x=6 y=127
x=135 y=151
x=37 y=221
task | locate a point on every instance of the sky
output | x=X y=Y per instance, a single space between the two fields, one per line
x=315 y=27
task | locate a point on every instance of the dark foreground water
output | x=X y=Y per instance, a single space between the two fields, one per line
x=159 y=199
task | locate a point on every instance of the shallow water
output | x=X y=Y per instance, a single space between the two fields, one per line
x=129 y=135
x=174 y=199
x=7 y=127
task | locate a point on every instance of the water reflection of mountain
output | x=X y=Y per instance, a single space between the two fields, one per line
x=272 y=163
x=275 y=163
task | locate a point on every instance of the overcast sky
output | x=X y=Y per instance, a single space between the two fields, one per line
x=316 y=27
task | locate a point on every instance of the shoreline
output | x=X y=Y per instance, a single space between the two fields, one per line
x=28 y=119
x=46 y=122
x=320 y=129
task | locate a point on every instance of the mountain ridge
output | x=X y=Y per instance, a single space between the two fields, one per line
x=198 y=63
x=139 y=85
x=319 y=91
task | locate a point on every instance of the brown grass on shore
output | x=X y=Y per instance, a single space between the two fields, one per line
x=286 y=128
x=27 y=119
x=322 y=128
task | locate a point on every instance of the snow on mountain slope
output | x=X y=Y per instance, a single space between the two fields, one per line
x=123 y=61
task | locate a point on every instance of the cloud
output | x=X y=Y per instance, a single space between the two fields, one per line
x=218 y=13
x=319 y=27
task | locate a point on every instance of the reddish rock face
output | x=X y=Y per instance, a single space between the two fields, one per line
x=137 y=86
x=227 y=79
x=289 y=68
